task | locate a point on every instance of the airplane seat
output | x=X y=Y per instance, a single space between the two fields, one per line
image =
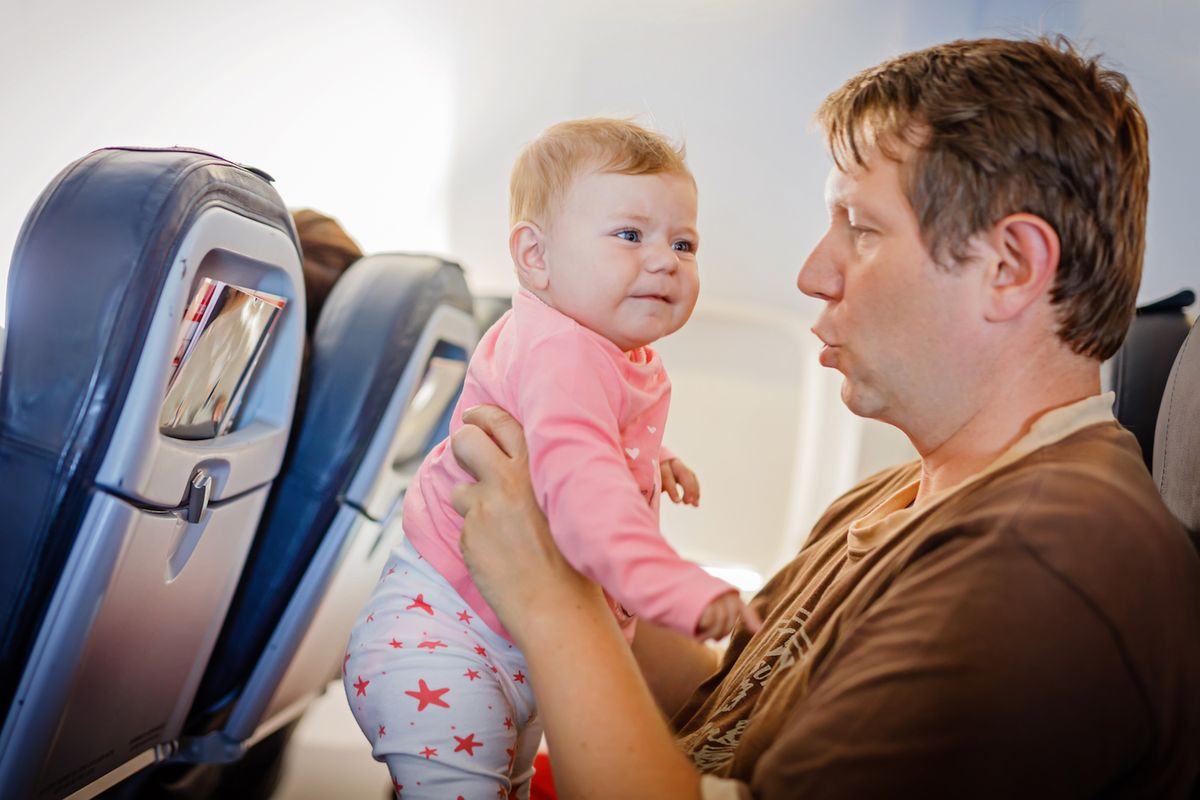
x=1140 y=368
x=388 y=356
x=122 y=544
x=1177 y=437
x=488 y=310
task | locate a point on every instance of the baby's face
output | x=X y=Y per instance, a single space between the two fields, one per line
x=621 y=255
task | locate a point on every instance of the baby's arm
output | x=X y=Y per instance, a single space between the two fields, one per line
x=570 y=398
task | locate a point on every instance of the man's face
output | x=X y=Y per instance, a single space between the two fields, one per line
x=900 y=329
x=621 y=254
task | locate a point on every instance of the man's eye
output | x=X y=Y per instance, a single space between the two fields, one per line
x=629 y=235
x=683 y=246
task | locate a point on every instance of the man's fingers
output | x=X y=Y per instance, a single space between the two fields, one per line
x=462 y=497
x=497 y=423
x=475 y=450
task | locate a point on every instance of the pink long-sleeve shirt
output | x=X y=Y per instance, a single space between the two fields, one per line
x=593 y=418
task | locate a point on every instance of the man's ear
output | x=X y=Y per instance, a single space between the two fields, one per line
x=527 y=245
x=1024 y=259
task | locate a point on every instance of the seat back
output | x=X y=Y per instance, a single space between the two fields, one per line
x=123 y=545
x=1177 y=438
x=388 y=356
x=1140 y=368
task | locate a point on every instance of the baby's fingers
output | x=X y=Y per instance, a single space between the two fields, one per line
x=691 y=486
x=668 y=482
x=751 y=619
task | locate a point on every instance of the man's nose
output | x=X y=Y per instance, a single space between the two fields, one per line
x=821 y=276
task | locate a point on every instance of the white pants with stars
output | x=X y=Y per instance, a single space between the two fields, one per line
x=444 y=701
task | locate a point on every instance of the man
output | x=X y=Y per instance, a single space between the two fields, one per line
x=1016 y=613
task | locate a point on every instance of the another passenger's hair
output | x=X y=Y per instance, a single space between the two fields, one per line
x=1001 y=127
x=546 y=167
x=327 y=251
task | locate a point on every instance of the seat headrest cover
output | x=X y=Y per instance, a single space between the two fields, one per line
x=1177 y=438
x=1141 y=367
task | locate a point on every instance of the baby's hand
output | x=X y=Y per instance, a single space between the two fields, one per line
x=722 y=613
x=676 y=474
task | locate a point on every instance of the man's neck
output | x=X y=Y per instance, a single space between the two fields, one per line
x=997 y=423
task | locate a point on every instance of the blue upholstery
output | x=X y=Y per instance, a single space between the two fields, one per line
x=91 y=260
x=363 y=341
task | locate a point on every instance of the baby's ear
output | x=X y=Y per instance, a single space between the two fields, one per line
x=526 y=244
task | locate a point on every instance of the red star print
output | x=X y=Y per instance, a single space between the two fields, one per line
x=398 y=786
x=345 y=661
x=467 y=743
x=519 y=676
x=508 y=723
x=391 y=571
x=479 y=649
x=382 y=730
x=396 y=645
x=470 y=674
x=512 y=756
x=371 y=617
x=419 y=602
x=501 y=793
x=426 y=696
x=494 y=669
x=532 y=716
x=360 y=688
x=429 y=752
x=433 y=645
x=463 y=616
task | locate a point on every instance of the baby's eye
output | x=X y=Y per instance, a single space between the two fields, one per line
x=629 y=235
x=684 y=246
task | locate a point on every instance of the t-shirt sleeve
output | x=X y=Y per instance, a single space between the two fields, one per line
x=946 y=688
x=570 y=398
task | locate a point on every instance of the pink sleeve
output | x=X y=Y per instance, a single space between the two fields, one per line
x=570 y=396
x=665 y=455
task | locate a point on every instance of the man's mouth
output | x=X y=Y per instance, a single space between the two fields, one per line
x=828 y=354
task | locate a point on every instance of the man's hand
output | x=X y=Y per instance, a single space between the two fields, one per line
x=679 y=482
x=505 y=537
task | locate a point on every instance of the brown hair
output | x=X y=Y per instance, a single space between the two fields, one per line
x=546 y=167
x=327 y=250
x=1000 y=127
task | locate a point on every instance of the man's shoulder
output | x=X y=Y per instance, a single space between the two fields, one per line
x=1082 y=514
x=1092 y=483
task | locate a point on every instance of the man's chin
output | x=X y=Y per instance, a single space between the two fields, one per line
x=860 y=401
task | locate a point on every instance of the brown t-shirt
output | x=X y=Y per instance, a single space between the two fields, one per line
x=1036 y=632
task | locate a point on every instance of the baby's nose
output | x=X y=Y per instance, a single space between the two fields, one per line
x=662 y=259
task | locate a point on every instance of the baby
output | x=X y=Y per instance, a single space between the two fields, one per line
x=604 y=243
